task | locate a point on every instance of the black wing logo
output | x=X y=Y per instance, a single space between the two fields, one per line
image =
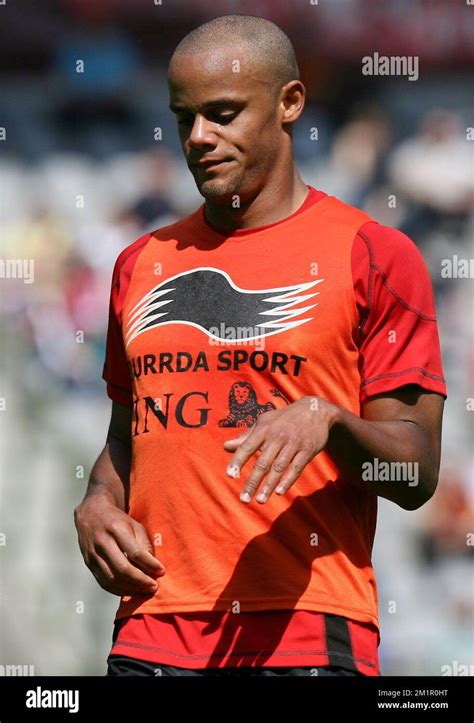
x=208 y=299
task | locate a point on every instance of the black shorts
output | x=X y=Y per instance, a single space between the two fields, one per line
x=123 y=665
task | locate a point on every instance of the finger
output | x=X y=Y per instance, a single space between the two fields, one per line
x=106 y=579
x=278 y=468
x=123 y=571
x=297 y=465
x=259 y=470
x=101 y=571
x=248 y=447
x=143 y=540
x=231 y=444
x=138 y=549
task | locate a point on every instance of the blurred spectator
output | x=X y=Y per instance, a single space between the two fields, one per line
x=153 y=207
x=433 y=170
x=97 y=63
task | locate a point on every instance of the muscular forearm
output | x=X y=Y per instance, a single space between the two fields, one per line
x=355 y=444
x=110 y=474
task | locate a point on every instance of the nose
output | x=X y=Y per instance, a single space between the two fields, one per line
x=201 y=133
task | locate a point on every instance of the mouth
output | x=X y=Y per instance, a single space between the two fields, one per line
x=209 y=166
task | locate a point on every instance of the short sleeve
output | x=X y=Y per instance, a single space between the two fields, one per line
x=398 y=331
x=116 y=371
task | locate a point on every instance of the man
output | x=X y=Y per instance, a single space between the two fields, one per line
x=269 y=358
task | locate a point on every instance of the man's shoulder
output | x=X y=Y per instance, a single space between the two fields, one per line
x=128 y=256
x=389 y=244
x=338 y=213
x=379 y=238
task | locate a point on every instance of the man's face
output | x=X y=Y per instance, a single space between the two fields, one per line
x=228 y=123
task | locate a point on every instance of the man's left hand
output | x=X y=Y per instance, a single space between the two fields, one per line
x=288 y=439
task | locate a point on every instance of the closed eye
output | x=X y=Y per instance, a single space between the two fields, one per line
x=221 y=118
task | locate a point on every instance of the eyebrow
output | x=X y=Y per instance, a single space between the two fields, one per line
x=218 y=103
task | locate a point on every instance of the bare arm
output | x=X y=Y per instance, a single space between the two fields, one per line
x=105 y=530
x=400 y=426
x=403 y=426
x=110 y=474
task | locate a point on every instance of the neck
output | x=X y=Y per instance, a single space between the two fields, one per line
x=274 y=202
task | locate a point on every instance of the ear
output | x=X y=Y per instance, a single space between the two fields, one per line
x=293 y=96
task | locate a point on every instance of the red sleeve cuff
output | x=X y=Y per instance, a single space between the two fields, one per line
x=389 y=382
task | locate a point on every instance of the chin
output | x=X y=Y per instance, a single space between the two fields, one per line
x=219 y=190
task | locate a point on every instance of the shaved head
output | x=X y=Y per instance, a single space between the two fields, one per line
x=262 y=44
x=235 y=91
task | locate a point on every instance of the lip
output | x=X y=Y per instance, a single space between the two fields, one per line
x=211 y=164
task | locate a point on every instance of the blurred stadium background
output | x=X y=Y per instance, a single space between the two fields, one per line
x=82 y=176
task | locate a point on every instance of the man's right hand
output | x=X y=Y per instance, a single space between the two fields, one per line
x=105 y=533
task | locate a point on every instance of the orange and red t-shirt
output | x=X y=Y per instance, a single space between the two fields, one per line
x=208 y=330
